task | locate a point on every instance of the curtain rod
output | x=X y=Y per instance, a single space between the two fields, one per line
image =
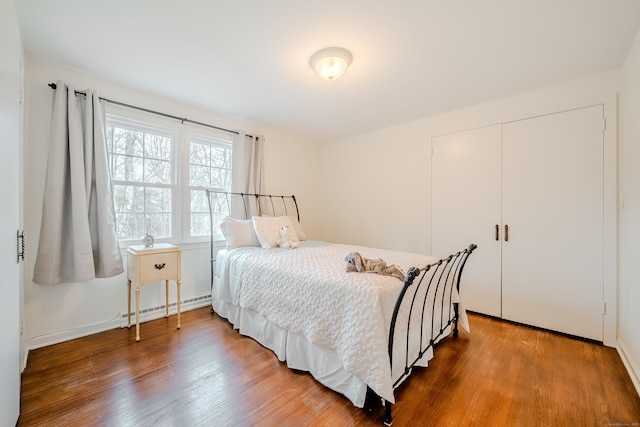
x=146 y=110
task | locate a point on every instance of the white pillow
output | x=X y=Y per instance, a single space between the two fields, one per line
x=268 y=229
x=239 y=233
x=299 y=231
x=302 y=236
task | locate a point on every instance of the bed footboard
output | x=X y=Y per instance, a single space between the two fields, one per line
x=432 y=308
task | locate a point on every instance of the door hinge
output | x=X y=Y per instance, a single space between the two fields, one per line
x=604 y=123
x=604 y=307
x=20 y=244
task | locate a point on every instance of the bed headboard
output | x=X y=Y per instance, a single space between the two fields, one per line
x=220 y=202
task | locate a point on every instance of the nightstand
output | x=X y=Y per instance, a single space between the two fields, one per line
x=152 y=264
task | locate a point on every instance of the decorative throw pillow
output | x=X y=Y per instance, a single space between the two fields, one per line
x=239 y=233
x=268 y=229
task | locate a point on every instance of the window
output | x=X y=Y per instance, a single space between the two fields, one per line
x=142 y=172
x=209 y=167
x=159 y=175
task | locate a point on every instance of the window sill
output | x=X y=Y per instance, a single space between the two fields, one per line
x=187 y=246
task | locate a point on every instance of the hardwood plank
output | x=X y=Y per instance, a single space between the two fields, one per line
x=207 y=374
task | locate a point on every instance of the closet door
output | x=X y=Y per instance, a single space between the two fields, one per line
x=466 y=209
x=552 y=263
x=10 y=161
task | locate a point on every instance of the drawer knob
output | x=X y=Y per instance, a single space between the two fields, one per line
x=159 y=266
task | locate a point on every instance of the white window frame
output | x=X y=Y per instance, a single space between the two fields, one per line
x=210 y=138
x=153 y=128
x=180 y=198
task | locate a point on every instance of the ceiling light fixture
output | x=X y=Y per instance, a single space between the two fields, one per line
x=330 y=63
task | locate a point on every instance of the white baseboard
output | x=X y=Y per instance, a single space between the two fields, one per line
x=629 y=363
x=25 y=356
x=119 y=321
x=71 y=334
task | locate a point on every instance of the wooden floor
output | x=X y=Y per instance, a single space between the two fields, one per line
x=207 y=374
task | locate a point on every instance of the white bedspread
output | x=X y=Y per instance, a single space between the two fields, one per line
x=307 y=291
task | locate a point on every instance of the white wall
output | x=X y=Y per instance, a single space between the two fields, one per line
x=629 y=213
x=380 y=181
x=384 y=179
x=59 y=312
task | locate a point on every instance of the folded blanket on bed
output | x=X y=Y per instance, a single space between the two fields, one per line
x=356 y=262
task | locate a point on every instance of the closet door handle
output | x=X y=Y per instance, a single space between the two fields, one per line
x=506 y=233
x=497 y=232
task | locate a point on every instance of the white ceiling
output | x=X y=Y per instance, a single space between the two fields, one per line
x=249 y=58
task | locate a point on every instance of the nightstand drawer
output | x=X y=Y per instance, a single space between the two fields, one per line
x=161 y=266
x=152 y=264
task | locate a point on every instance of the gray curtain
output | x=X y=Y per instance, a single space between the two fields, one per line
x=77 y=236
x=247 y=173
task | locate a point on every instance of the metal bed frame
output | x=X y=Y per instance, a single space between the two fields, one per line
x=437 y=279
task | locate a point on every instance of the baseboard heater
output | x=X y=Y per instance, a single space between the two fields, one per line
x=157 y=312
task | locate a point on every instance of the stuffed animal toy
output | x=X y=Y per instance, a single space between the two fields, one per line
x=356 y=262
x=285 y=240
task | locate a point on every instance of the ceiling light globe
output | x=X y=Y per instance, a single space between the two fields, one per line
x=331 y=63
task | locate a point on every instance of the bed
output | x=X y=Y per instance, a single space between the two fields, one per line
x=357 y=333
